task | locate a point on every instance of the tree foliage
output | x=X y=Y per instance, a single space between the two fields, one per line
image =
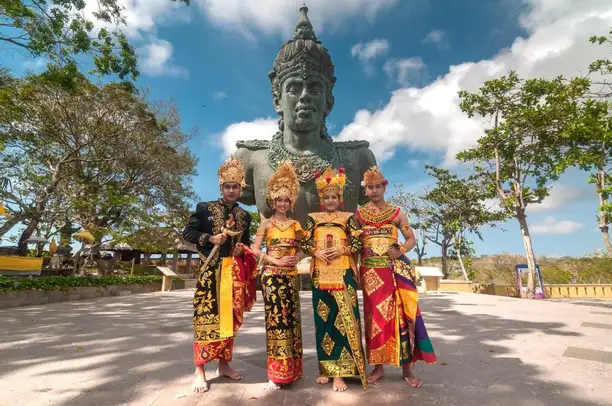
x=60 y=31
x=457 y=207
x=101 y=156
x=523 y=150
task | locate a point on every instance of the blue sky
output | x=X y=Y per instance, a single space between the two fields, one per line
x=399 y=65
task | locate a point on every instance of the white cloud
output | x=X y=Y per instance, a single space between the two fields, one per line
x=560 y=196
x=434 y=36
x=156 y=59
x=429 y=118
x=367 y=52
x=405 y=71
x=260 y=129
x=142 y=17
x=551 y=225
x=220 y=95
x=280 y=16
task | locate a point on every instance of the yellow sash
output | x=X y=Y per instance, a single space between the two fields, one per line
x=226 y=295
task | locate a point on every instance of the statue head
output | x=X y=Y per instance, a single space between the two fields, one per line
x=303 y=80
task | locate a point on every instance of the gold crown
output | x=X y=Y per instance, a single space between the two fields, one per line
x=283 y=183
x=374 y=177
x=231 y=171
x=330 y=181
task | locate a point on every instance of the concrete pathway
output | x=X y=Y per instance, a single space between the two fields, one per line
x=136 y=350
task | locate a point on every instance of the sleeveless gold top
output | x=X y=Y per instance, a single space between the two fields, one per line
x=379 y=232
x=283 y=239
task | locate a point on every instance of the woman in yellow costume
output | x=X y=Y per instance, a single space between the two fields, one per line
x=331 y=238
x=279 y=279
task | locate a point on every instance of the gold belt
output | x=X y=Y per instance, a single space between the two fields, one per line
x=376 y=262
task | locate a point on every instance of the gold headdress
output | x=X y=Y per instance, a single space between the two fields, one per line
x=374 y=177
x=283 y=183
x=231 y=171
x=330 y=181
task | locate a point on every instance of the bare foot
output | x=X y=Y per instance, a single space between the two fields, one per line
x=410 y=378
x=199 y=381
x=273 y=385
x=339 y=385
x=226 y=370
x=376 y=374
x=322 y=380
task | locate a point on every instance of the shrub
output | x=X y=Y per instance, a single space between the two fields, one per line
x=47 y=283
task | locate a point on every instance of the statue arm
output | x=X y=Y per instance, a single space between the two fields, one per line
x=247 y=196
x=367 y=159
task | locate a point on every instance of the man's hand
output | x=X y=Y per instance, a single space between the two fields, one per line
x=394 y=253
x=238 y=250
x=218 y=239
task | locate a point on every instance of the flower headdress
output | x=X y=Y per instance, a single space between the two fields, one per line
x=330 y=181
x=231 y=171
x=283 y=183
x=374 y=177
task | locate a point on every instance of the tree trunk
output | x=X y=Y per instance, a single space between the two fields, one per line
x=531 y=258
x=444 y=247
x=603 y=215
x=8 y=225
x=27 y=233
x=465 y=275
x=605 y=233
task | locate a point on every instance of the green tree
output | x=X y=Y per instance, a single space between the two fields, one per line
x=591 y=139
x=458 y=207
x=118 y=161
x=57 y=30
x=421 y=215
x=523 y=150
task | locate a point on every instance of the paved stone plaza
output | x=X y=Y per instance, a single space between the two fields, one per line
x=136 y=350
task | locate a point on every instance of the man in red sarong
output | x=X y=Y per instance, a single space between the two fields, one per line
x=394 y=328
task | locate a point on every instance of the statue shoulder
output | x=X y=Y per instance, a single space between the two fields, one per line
x=352 y=144
x=253 y=145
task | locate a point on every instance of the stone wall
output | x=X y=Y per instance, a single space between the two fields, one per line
x=35 y=297
x=576 y=291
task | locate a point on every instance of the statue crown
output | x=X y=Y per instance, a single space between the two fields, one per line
x=303 y=55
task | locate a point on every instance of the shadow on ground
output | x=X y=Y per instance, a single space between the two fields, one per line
x=137 y=350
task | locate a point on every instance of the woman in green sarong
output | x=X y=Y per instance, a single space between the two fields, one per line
x=331 y=238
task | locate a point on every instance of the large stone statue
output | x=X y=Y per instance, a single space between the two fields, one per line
x=302 y=84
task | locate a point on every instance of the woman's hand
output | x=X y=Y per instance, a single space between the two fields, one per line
x=322 y=255
x=287 y=261
x=335 y=252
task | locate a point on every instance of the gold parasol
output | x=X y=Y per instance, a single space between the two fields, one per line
x=52 y=247
x=3 y=211
x=84 y=236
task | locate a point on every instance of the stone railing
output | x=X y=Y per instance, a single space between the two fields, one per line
x=595 y=291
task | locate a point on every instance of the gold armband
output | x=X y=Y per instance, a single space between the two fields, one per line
x=405 y=228
x=403 y=249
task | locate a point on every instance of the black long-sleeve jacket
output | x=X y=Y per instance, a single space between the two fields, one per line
x=209 y=219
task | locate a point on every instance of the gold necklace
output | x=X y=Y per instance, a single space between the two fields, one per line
x=282 y=225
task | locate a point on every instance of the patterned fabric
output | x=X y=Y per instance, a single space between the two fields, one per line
x=226 y=287
x=334 y=296
x=327 y=230
x=210 y=341
x=282 y=307
x=338 y=331
x=394 y=328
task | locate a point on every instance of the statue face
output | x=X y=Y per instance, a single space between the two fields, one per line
x=303 y=103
